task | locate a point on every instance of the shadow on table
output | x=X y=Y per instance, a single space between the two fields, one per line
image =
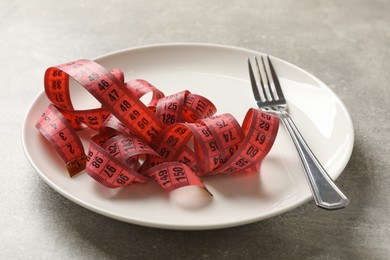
x=306 y=231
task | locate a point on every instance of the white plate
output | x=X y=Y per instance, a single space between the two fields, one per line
x=219 y=73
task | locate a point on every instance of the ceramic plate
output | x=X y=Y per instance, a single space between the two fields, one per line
x=219 y=73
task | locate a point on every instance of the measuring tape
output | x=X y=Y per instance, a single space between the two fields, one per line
x=175 y=140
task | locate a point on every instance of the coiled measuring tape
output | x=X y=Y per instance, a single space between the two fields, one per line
x=175 y=140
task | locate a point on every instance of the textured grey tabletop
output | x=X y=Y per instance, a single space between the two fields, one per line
x=343 y=43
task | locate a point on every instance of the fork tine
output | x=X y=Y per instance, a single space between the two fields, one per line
x=264 y=92
x=278 y=88
x=253 y=82
x=270 y=92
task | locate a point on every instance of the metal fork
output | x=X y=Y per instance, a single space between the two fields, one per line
x=326 y=194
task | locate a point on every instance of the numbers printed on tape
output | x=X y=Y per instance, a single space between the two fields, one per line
x=138 y=143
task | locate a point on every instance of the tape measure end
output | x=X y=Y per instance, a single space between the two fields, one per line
x=76 y=165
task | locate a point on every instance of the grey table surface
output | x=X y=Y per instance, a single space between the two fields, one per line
x=344 y=43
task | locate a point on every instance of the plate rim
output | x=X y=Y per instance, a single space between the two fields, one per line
x=162 y=225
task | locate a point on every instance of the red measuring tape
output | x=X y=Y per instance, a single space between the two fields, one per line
x=174 y=140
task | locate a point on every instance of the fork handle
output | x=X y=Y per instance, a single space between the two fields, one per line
x=326 y=194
